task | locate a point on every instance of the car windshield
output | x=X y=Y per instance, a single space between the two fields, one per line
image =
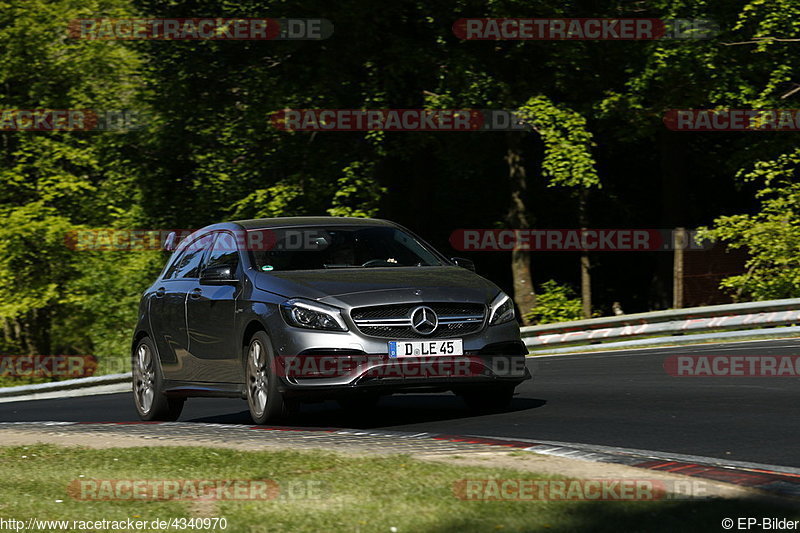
x=317 y=248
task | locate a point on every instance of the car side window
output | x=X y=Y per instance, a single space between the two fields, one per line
x=187 y=265
x=224 y=252
x=173 y=266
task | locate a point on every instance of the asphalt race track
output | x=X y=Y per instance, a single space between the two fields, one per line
x=623 y=398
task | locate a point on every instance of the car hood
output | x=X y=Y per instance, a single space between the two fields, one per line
x=366 y=286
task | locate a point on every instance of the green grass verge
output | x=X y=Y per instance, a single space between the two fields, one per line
x=354 y=494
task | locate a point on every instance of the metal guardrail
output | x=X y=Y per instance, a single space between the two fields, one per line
x=67 y=384
x=671 y=322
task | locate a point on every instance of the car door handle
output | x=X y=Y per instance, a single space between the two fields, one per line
x=195 y=293
x=160 y=292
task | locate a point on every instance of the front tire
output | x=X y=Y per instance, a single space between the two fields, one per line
x=264 y=397
x=148 y=386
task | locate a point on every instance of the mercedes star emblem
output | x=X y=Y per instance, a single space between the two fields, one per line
x=424 y=320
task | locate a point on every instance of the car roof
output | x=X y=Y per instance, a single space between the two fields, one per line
x=262 y=223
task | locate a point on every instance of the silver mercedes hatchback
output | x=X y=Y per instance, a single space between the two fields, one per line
x=285 y=310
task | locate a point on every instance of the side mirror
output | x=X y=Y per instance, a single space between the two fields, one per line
x=218 y=275
x=463 y=263
x=171 y=242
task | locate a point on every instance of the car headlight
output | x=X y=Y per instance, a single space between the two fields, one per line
x=312 y=315
x=501 y=310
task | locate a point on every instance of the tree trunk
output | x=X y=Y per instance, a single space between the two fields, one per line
x=678 y=242
x=21 y=345
x=41 y=324
x=672 y=153
x=517 y=218
x=586 y=265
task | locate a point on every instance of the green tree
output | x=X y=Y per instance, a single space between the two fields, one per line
x=54 y=182
x=771 y=236
x=555 y=303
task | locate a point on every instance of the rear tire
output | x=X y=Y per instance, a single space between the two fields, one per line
x=489 y=398
x=148 y=386
x=264 y=398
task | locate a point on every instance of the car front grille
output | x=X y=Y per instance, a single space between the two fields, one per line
x=394 y=321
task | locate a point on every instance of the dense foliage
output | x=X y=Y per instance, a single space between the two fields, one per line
x=208 y=153
x=555 y=303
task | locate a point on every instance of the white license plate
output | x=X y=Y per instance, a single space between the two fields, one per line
x=425 y=348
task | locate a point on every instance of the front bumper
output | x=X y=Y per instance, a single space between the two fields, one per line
x=312 y=360
x=342 y=372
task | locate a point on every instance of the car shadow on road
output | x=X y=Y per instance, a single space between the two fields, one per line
x=397 y=410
